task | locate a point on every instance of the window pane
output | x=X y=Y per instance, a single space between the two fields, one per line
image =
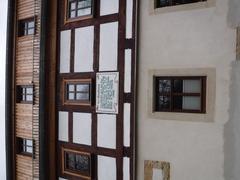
x=82 y=163
x=178 y=86
x=177 y=102
x=70 y=161
x=163 y=102
x=72 y=14
x=23 y=97
x=29 y=143
x=72 y=6
x=83 y=12
x=29 y=150
x=82 y=96
x=83 y=87
x=29 y=98
x=161 y=3
x=84 y=4
x=71 y=88
x=30 y=31
x=191 y=86
x=25 y=25
x=71 y=96
x=164 y=86
x=31 y=24
x=29 y=90
x=81 y=4
x=23 y=90
x=191 y=103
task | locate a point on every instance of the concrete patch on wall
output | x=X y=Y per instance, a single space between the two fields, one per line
x=234 y=13
x=156 y=170
x=232 y=128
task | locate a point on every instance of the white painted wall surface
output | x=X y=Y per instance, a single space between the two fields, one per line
x=198 y=38
x=3 y=24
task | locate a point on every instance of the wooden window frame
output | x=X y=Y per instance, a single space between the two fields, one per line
x=65 y=84
x=171 y=94
x=20 y=94
x=67 y=19
x=21 y=32
x=173 y=3
x=76 y=173
x=22 y=147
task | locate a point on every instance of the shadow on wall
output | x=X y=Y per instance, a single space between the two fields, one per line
x=232 y=128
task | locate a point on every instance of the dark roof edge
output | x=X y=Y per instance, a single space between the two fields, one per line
x=43 y=164
x=10 y=173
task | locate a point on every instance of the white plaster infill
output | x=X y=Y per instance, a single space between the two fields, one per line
x=184 y=7
x=210 y=73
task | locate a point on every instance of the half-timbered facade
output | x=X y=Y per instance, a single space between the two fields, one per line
x=73 y=89
x=71 y=110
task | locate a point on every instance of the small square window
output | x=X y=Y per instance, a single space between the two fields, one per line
x=180 y=94
x=77 y=92
x=25 y=94
x=76 y=163
x=79 y=8
x=164 y=3
x=25 y=146
x=26 y=27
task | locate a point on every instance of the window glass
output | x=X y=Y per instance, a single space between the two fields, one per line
x=77 y=163
x=180 y=94
x=78 y=92
x=24 y=94
x=78 y=8
x=25 y=146
x=164 y=3
x=26 y=27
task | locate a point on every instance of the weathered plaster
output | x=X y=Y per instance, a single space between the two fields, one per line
x=234 y=13
x=200 y=38
x=232 y=128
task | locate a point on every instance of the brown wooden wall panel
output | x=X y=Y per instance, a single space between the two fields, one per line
x=24 y=60
x=24 y=120
x=23 y=168
x=25 y=9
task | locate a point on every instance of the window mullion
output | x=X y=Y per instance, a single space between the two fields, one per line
x=171 y=95
x=75 y=92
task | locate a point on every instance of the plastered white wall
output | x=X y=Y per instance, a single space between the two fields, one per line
x=198 y=38
x=3 y=24
x=232 y=128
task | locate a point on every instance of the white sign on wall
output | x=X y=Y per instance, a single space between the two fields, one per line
x=107 y=84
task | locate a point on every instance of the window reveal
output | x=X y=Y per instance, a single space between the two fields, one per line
x=79 y=8
x=25 y=94
x=164 y=3
x=26 y=27
x=180 y=94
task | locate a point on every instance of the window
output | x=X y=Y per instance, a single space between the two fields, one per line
x=26 y=27
x=77 y=92
x=164 y=3
x=79 y=8
x=180 y=94
x=25 y=94
x=76 y=163
x=25 y=146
